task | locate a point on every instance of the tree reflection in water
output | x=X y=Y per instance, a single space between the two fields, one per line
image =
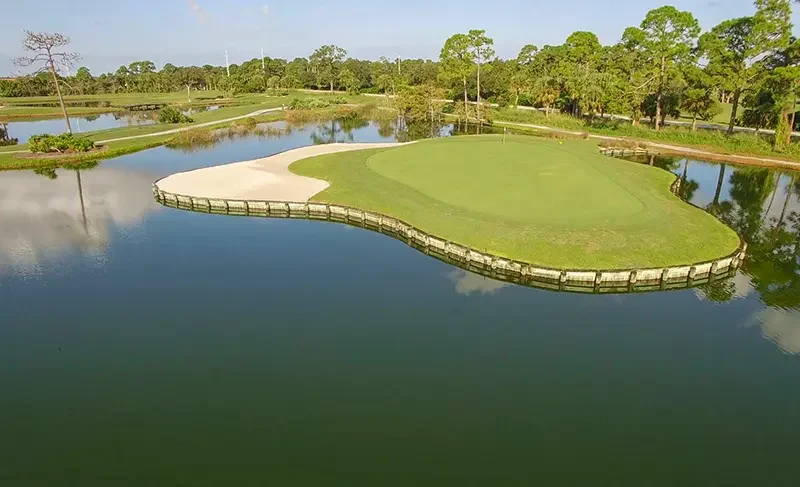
x=759 y=206
x=46 y=213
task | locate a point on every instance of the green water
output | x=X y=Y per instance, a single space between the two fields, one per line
x=142 y=345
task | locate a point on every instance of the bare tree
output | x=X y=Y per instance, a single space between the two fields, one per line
x=47 y=56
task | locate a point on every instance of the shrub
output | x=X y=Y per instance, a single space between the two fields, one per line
x=198 y=136
x=173 y=115
x=59 y=143
x=315 y=103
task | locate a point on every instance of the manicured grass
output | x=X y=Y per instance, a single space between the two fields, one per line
x=12 y=110
x=721 y=118
x=745 y=144
x=117 y=98
x=548 y=202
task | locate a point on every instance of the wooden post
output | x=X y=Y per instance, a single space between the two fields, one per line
x=692 y=273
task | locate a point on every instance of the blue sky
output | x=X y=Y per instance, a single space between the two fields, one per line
x=109 y=33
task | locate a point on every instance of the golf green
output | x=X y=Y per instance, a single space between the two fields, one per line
x=543 y=201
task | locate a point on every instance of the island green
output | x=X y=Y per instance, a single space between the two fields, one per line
x=548 y=202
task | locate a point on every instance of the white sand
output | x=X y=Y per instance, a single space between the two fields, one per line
x=260 y=179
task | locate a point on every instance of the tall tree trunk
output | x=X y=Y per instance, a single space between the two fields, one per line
x=478 y=109
x=734 y=109
x=772 y=199
x=791 y=122
x=80 y=196
x=58 y=92
x=720 y=180
x=466 y=104
x=331 y=85
x=783 y=125
x=694 y=123
x=660 y=92
x=657 y=118
x=789 y=192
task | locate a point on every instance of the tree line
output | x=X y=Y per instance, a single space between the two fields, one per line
x=661 y=68
x=328 y=68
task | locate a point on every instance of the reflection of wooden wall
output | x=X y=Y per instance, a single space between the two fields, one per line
x=622 y=280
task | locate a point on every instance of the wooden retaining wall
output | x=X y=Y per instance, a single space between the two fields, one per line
x=494 y=266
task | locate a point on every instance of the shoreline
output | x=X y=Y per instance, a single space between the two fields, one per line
x=666 y=149
x=177 y=191
x=8 y=159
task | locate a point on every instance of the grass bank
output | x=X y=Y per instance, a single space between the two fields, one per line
x=547 y=202
x=718 y=141
x=43 y=107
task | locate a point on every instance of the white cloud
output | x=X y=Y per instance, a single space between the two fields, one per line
x=265 y=9
x=779 y=326
x=42 y=219
x=468 y=283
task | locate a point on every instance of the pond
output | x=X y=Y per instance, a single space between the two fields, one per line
x=23 y=130
x=140 y=343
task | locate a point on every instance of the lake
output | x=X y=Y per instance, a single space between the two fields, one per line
x=23 y=130
x=143 y=345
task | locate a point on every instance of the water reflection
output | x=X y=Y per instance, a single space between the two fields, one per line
x=780 y=327
x=468 y=283
x=762 y=205
x=23 y=130
x=49 y=213
x=352 y=335
x=343 y=129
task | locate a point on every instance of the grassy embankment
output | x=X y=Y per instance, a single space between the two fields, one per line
x=10 y=158
x=722 y=118
x=547 y=202
x=40 y=107
x=746 y=144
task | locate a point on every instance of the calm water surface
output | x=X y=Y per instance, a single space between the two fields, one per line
x=141 y=345
x=23 y=130
x=88 y=123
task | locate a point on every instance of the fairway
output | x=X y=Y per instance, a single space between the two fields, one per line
x=548 y=202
